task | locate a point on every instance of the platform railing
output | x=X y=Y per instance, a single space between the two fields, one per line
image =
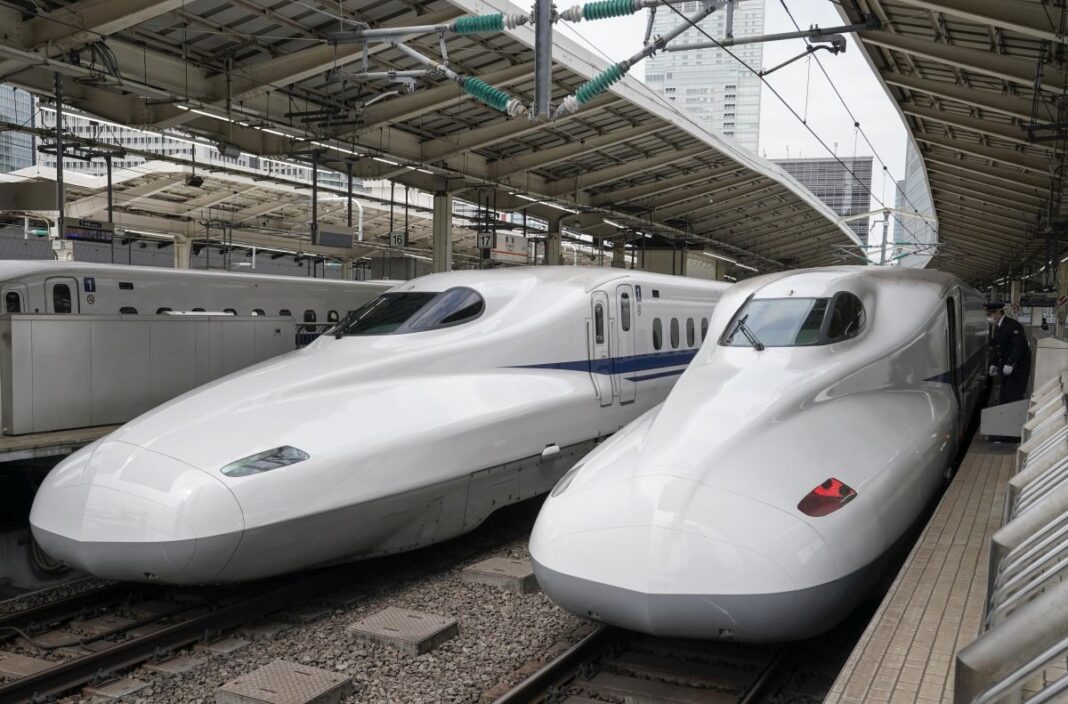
x=1022 y=654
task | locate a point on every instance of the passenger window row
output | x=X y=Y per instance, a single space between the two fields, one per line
x=691 y=333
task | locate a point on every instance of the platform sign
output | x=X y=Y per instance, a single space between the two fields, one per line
x=485 y=240
x=398 y=239
x=510 y=248
x=332 y=238
x=86 y=230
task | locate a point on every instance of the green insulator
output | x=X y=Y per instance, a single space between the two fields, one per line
x=494 y=97
x=599 y=83
x=474 y=24
x=607 y=8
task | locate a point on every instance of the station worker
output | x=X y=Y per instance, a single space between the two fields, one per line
x=1010 y=356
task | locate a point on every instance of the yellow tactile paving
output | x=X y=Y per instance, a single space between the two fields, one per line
x=935 y=605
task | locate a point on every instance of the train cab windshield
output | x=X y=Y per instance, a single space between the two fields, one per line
x=795 y=322
x=413 y=311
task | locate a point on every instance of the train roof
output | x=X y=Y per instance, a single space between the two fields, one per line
x=17 y=268
x=585 y=277
x=826 y=281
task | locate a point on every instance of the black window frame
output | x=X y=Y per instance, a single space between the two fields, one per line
x=7 y=302
x=285 y=313
x=598 y=323
x=674 y=334
x=127 y=310
x=624 y=311
x=162 y=309
x=332 y=316
x=69 y=302
x=309 y=316
x=456 y=306
x=691 y=333
x=231 y=311
x=658 y=334
x=825 y=329
x=258 y=311
x=822 y=335
x=704 y=328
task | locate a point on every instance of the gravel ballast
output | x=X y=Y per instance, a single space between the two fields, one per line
x=499 y=631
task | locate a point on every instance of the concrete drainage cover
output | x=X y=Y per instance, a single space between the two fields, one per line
x=284 y=682
x=411 y=632
x=504 y=573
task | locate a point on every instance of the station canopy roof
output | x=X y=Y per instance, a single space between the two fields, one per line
x=982 y=86
x=261 y=77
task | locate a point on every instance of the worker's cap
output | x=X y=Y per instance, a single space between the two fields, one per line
x=994 y=306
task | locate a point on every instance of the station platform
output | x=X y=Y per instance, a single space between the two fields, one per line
x=14 y=448
x=935 y=605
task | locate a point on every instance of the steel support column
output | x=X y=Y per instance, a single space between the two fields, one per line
x=442 y=232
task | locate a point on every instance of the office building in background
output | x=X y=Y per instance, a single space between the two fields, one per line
x=831 y=181
x=16 y=148
x=708 y=83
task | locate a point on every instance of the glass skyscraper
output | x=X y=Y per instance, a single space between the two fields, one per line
x=830 y=180
x=708 y=83
x=16 y=148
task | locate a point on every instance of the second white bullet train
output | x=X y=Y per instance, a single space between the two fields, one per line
x=437 y=403
x=806 y=437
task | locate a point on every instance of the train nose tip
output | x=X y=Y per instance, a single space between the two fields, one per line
x=717 y=565
x=128 y=513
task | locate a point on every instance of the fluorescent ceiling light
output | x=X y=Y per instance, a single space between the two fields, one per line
x=606 y=221
x=385 y=161
x=745 y=266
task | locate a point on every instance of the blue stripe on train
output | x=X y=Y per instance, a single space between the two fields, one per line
x=622 y=365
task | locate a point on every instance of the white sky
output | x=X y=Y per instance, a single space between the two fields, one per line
x=781 y=134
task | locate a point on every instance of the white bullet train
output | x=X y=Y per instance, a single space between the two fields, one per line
x=423 y=412
x=759 y=501
x=75 y=288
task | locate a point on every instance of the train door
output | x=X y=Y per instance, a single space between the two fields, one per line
x=61 y=294
x=623 y=342
x=953 y=345
x=14 y=299
x=600 y=348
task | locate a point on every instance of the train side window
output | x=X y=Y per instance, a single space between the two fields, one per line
x=61 y=300
x=198 y=310
x=309 y=316
x=128 y=310
x=638 y=293
x=674 y=333
x=598 y=323
x=161 y=311
x=846 y=319
x=658 y=334
x=258 y=311
x=126 y=285
x=704 y=329
x=624 y=311
x=231 y=311
x=284 y=313
x=690 y=335
x=332 y=316
x=12 y=302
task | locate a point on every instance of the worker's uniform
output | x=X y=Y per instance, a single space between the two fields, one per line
x=1010 y=349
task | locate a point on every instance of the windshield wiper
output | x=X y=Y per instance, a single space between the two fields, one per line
x=749 y=334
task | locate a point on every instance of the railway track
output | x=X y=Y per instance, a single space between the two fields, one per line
x=61 y=646
x=610 y=665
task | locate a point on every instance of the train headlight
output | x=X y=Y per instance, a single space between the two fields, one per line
x=827 y=498
x=265 y=461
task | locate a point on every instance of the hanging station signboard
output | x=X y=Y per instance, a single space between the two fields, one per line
x=86 y=230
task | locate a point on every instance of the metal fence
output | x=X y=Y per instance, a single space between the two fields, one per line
x=1022 y=654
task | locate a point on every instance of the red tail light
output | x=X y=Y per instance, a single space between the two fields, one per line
x=827 y=498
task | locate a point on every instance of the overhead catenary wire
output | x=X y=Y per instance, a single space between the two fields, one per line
x=793 y=112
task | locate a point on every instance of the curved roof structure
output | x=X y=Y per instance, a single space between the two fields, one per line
x=981 y=86
x=260 y=75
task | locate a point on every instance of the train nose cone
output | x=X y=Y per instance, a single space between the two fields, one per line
x=127 y=513
x=674 y=557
